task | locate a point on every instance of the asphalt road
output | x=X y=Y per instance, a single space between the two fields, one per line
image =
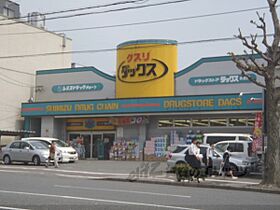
x=29 y=187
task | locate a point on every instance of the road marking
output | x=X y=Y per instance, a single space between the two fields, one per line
x=66 y=171
x=15 y=171
x=125 y=191
x=11 y=208
x=231 y=181
x=98 y=200
x=80 y=177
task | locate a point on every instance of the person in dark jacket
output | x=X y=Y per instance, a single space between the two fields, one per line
x=226 y=170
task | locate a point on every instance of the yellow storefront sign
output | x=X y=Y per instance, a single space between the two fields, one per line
x=146 y=68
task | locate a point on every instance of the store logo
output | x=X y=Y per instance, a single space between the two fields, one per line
x=77 y=87
x=142 y=72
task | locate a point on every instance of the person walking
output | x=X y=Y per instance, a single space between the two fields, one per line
x=209 y=161
x=226 y=170
x=53 y=153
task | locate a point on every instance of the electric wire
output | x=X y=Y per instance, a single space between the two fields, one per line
x=102 y=12
x=79 y=9
x=127 y=48
x=141 y=23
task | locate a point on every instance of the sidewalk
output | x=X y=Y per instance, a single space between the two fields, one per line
x=155 y=173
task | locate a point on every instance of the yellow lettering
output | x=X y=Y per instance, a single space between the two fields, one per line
x=109 y=106
x=188 y=103
x=59 y=108
x=84 y=107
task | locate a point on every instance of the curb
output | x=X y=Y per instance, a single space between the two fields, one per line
x=248 y=188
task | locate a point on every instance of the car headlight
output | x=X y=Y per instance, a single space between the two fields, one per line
x=45 y=155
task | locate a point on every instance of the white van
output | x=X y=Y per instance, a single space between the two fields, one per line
x=213 y=138
x=239 y=149
x=68 y=153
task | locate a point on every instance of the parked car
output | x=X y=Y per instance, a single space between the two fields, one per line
x=20 y=151
x=239 y=165
x=239 y=149
x=213 y=138
x=68 y=153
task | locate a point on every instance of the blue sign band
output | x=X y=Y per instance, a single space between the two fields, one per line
x=146 y=105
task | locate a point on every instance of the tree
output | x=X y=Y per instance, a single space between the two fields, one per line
x=269 y=70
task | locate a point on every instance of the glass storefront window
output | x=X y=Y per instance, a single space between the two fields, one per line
x=237 y=121
x=251 y=122
x=200 y=122
x=182 y=123
x=165 y=123
x=218 y=122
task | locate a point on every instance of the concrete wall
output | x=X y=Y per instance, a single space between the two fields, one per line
x=17 y=74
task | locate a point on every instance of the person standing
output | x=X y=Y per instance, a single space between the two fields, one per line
x=52 y=155
x=194 y=155
x=209 y=161
x=226 y=164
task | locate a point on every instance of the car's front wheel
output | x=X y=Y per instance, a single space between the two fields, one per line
x=36 y=160
x=7 y=160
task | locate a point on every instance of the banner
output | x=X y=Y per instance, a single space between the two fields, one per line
x=257 y=134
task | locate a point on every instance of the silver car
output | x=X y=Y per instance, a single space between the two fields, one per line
x=21 y=151
x=239 y=165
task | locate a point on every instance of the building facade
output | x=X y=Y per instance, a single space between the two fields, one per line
x=133 y=114
x=20 y=42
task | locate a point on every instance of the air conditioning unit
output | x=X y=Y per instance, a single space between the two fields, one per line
x=37 y=19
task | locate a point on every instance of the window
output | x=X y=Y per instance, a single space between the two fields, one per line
x=200 y=122
x=251 y=122
x=222 y=147
x=237 y=121
x=182 y=123
x=23 y=145
x=8 y=12
x=15 y=145
x=218 y=122
x=215 y=139
x=244 y=138
x=238 y=147
x=179 y=149
x=165 y=123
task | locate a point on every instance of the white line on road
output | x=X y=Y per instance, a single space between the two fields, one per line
x=15 y=171
x=98 y=200
x=80 y=177
x=231 y=181
x=66 y=171
x=11 y=208
x=125 y=191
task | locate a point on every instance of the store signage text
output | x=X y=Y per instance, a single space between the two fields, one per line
x=77 y=87
x=82 y=107
x=138 y=67
x=220 y=80
x=145 y=105
x=203 y=103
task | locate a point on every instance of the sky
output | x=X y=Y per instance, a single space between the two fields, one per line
x=187 y=30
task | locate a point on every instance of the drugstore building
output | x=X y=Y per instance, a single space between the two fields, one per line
x=147 y=106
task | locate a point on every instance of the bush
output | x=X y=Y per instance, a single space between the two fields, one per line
x=186 y=172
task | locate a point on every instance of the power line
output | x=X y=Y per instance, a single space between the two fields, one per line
x=79 y=9
x=102 y=12
x=127 y=48
x=145 y=22
x=17 y=71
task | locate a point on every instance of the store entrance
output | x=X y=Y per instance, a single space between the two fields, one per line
x=95 y=145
